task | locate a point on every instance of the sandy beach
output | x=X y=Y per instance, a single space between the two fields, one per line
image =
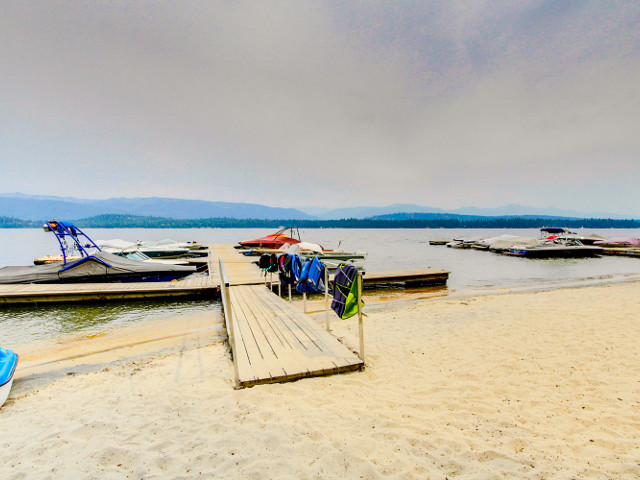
x=533 y=385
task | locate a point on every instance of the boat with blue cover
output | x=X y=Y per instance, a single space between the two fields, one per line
x=8 y=363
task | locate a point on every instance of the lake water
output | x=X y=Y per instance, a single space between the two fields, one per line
x=392 y=249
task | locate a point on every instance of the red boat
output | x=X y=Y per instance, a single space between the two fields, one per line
x=274 y=240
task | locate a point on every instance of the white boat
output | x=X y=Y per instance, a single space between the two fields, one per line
x=163 y=250
x=330 y=257
x=486 y=243
x=463 y=242
x=8 y=363
x=504 y=245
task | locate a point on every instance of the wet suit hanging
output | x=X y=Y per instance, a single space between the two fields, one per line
x=345 y=291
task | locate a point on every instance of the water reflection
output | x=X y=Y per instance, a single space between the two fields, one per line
x=25 y=324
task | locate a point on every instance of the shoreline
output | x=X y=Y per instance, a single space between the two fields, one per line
x=84 y=352
x=522 y=385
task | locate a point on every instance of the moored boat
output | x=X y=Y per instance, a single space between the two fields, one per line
x=553 y=250
x=94 y=266
x=274 y=240
x=557 y=244
x=8 y=363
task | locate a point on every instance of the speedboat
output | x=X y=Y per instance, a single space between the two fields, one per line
x=94 y=266
x=485 y=243
x=463 y=242
x=273 y=240
x=193 y=246
x=162 y=249
x=8 y=363
x=329 y=257
x=558 y=244
x=141 y=257
x=154 y=250
x=150 y=249
x=500 y=246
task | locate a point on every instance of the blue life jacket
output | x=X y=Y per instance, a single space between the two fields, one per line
x=296 y=265
x=311 y=276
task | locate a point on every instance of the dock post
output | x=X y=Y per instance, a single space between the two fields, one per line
x=304 y=302
x=326 y=297
x=360 y=326
x=289 y=292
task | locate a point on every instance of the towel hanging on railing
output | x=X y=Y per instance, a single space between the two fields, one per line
x=345 y=291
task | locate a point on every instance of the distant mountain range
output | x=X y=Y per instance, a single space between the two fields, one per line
x=37 y=207
x=402 y=210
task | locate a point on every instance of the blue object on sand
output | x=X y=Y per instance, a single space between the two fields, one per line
x=8 y=363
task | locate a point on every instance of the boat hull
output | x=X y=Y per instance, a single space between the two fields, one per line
x=555 y=252
x=8 y=363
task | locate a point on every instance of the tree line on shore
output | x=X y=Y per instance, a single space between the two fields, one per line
x=129 y=221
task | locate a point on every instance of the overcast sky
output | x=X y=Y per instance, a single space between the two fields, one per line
x=324 y=103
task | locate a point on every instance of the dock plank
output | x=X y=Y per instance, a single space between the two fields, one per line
x=280 y=343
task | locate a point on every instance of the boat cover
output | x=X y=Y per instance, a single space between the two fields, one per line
x=99 y=267
x=8 y=362
x=503 y=245
x=619 y=241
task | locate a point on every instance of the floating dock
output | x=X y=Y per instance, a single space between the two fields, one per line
x=33 y=293
x=425 y=276
x=623 y=252
x=241 y=270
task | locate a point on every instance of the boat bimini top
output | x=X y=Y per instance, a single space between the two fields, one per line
x=66 y=230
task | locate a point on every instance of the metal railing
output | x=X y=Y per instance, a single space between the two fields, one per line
x=228 y=317
x=269 y=284
x=358 y=279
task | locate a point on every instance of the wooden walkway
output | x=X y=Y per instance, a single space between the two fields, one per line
x=241 y=269
x=272 y=342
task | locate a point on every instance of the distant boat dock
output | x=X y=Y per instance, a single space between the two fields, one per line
x=241 y=270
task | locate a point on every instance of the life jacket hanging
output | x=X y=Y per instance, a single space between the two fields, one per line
x=345 y=291
x=310 y=279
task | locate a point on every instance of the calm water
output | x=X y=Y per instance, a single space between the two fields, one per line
x=387 y=250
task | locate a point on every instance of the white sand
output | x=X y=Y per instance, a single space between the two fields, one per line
x=534 y=386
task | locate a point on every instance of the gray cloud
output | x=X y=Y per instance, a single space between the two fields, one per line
x=323 y=103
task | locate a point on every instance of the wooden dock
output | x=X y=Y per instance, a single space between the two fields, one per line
x=197 y=286
x=33 y=293
x=272 y=342
x=425 y=276
x=623 y=252
x=241 y=270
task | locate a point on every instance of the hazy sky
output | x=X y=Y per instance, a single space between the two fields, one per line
x=324 y=103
